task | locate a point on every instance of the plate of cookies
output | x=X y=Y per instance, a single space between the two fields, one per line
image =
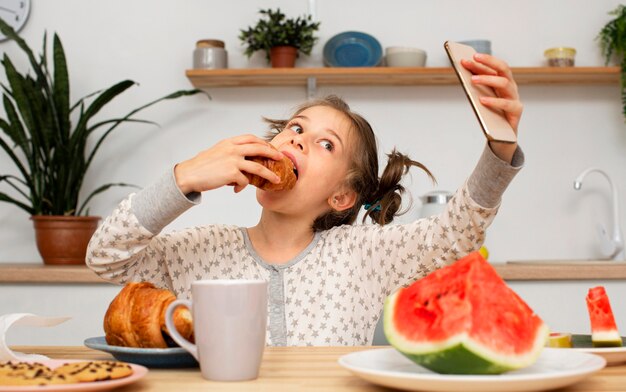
x=67 y=375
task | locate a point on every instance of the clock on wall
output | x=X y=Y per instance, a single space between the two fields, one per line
x=14 y=13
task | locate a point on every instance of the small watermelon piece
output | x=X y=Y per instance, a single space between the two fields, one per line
x=604 y=331
x=560 y=340
x=464 y=319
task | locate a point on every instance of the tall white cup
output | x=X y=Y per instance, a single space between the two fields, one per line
x=229 y=320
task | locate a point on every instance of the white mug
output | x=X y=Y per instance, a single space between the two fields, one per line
x=229 y=320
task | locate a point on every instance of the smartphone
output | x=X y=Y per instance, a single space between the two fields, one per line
x=494 y=124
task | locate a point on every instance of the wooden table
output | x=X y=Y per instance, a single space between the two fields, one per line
x=289 y=369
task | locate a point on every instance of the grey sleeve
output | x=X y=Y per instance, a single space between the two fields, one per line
x=161 y=202
x=492 y=176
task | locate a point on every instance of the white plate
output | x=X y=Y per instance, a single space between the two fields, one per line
x=138 y=373
x=555 y=368
x=613 y=355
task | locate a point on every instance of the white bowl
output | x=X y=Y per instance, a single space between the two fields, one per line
x=405 y=57
x=396 y=49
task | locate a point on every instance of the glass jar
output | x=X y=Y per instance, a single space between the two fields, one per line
x=433 y=203
x=210 y=54
x=560 y=57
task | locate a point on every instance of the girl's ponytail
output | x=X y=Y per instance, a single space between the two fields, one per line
x=385 y=202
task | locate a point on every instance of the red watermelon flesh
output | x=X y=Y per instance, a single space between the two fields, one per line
x=604 y=330
x=466 y=304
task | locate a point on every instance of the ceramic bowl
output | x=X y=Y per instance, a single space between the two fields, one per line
x=398 y=56
x=479 y=45
x=352 y=49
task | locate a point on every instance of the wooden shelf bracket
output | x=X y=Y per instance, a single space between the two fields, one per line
x=311 y=87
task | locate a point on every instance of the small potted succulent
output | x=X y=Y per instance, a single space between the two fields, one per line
x=612 y=39
x=51 y=143
x=282 y=38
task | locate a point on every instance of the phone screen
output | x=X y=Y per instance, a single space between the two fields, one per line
x=494 y=124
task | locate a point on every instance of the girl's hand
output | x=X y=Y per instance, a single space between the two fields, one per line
x=225 y=164
x=495 y=73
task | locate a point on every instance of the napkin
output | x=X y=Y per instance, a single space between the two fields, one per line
x=23 y=320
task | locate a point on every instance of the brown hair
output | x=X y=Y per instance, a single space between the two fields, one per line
x=382 y=196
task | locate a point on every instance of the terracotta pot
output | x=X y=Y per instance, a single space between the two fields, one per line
x=63 y=239
x=283 y=56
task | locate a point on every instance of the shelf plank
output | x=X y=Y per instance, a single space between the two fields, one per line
x=40 y=273
x=512 y=271
x=562 y=270
x=387 y=76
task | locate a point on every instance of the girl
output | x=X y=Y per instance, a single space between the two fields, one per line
x=328 y=278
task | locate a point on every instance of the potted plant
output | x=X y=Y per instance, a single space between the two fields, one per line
x=612 y=39
x=282 y=39
x=46 y=138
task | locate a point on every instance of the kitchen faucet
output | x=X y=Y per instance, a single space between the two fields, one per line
x=612 y=246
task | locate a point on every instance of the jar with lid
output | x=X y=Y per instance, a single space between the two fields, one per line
x=560 y=57
x=210 y=54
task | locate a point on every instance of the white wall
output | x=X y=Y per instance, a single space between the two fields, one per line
x=564 y=128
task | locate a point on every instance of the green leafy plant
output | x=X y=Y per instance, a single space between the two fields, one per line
x=612 y=39
x=275 y=29
x=47 y=139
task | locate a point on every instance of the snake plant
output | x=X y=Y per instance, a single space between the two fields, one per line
x=47 y=138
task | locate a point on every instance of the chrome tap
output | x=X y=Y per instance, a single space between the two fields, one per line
x=612 y=246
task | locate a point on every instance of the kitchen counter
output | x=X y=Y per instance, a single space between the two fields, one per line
x=288 y=369
x=512 y=271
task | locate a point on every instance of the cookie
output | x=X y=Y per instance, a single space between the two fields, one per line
x=26 y=368
x=40 y=379
x=27 y=373
x=95 y=370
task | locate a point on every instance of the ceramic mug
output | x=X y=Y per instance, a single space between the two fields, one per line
x=229 y=320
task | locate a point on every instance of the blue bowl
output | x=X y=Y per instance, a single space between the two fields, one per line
x=352 y=49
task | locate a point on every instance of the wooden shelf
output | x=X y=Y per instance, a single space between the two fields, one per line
x=387 y=76
x=514 y=271
x=562 y=270
x=40 y=273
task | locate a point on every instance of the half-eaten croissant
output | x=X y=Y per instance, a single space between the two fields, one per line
x=283 y=168
x=136 y=317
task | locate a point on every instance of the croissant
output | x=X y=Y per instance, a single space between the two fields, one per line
x=283 y=168
x=136 y=317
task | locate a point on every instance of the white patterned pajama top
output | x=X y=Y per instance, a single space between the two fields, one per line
x=333 y=292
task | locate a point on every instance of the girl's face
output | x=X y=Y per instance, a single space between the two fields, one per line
x=317 y=140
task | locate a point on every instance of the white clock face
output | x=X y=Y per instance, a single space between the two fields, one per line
x=14 y=13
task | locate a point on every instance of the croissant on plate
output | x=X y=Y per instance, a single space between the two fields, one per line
x=136 y=317
x=283 y=168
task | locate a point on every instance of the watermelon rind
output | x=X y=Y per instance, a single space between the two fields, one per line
x=606 y=339
x=560 y=340
x=460 y=354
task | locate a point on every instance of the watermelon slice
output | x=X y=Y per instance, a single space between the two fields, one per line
x=560 y=340
x=464 y=319
x=604 y=331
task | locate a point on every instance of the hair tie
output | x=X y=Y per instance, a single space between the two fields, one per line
x=367 y=206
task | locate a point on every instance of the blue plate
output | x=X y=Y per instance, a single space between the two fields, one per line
x=173 y=357
x=352 y=49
